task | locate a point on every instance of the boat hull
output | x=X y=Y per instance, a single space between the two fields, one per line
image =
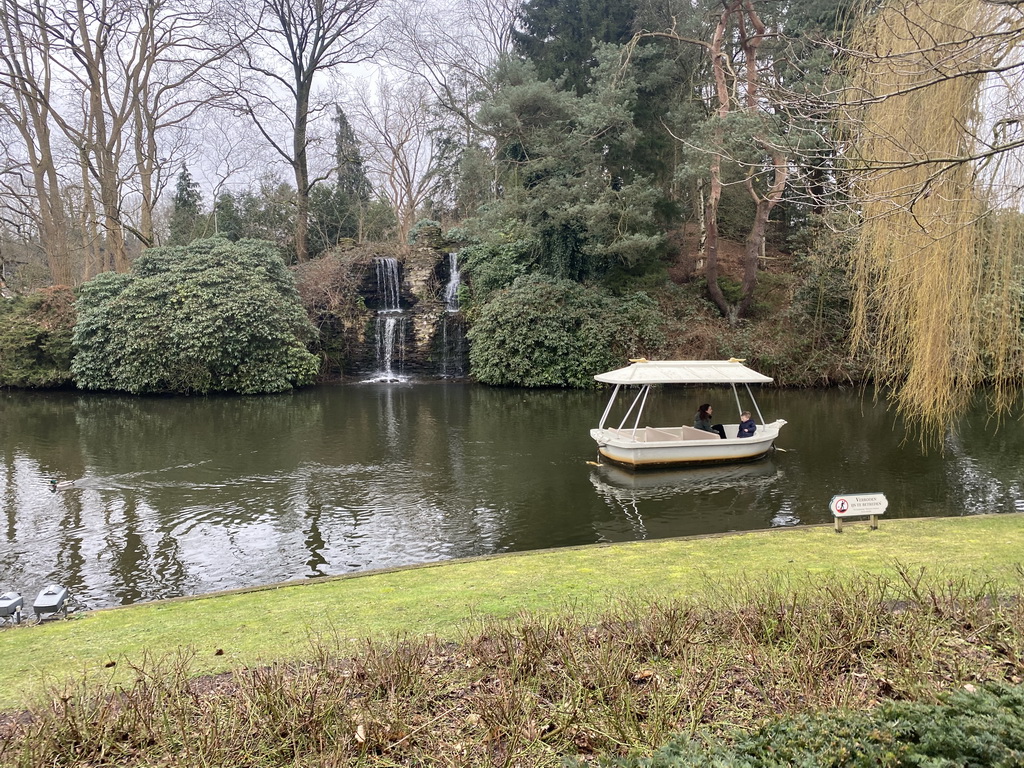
x=667 y=447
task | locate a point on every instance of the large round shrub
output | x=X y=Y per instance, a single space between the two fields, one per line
x=544 y=332
x=206 y=317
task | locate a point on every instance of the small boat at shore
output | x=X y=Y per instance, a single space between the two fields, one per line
x=640 y=447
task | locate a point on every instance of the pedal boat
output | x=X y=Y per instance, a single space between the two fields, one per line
x=641 y=447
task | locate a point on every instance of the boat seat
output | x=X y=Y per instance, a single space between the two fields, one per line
x=692 y=433
x=659 y=434
x=665 y=434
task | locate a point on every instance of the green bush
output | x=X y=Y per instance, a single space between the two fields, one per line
x=35 y=339
x=493 y=267
x=982 y=728
x=210 y=316
x=543 y=332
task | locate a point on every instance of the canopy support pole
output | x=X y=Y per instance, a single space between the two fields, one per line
x=641 y=394
x=608 y=409
x=640 y=410
x=760 y=418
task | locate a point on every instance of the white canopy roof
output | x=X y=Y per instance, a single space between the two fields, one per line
x=684 y=372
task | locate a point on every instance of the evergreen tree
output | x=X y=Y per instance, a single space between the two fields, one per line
x=227 y=221
x=186 y=218
x=574 y=218
x=559 y=36
x=352 y=179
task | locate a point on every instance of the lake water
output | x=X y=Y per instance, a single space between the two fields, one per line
x=179 y=496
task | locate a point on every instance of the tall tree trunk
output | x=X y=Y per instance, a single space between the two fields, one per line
x=25 y=45
x=715 y=184
x=301 y=165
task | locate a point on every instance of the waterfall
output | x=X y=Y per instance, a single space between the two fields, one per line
x=451 y=291
x=450 y=342
x=389 y=328
x=389 y=284
x=452 y=347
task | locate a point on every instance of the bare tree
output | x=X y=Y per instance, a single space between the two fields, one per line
x=395 y=123
x=290 y=44
x=165 y=76
x=452 y=47
x=26 y=60
x=109 y=81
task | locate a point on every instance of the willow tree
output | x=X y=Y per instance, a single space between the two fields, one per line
x=937 y=268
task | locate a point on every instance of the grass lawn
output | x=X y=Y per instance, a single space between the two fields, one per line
x=250 y=627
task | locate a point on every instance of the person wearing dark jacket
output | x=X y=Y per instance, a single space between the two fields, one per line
x=702 y=420
x=747 y=425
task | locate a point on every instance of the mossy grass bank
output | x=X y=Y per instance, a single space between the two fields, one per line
x=253 y=627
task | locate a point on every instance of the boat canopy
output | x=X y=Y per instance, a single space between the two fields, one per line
x=647 y=372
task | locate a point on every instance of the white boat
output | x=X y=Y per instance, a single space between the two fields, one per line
x=639 y=446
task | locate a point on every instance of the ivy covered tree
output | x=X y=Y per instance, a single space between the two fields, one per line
x=212 y=316
x=348 y=158
x=338 y=209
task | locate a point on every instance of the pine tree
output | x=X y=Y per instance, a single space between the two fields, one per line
x=559 y=37
x=352 y=179
x=186 y=218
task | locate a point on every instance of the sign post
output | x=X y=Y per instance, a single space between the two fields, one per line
x=858 y=505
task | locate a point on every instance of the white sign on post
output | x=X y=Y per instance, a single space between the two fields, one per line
x=858 y=505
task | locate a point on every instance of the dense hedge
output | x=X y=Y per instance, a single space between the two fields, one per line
x=35 y=339
x=976 y=728
x=210 y=316
x=543 y=331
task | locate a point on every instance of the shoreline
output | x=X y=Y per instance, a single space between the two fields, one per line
x=257 y=625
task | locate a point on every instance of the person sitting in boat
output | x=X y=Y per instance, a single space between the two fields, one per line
x=702 y=420
x=747 y=425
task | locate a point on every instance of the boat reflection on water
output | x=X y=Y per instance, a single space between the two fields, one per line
x=680 y=480
x=628 y=492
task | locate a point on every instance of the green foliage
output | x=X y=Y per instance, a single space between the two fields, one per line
x=333 y=217
x=425 y=229
x=35 y=339
x=211 y=316
x=983 y=728
x=267 y=213
x=575 y=216
x=187 y=223
x=380 y=223
x=559 y=37
x=825 y=295
x=492 y=267
x=547 y=332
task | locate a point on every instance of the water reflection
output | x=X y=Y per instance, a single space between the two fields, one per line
x=186 y=495
x=695 y=500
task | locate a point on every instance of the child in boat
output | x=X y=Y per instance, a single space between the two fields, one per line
x=747 y=425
